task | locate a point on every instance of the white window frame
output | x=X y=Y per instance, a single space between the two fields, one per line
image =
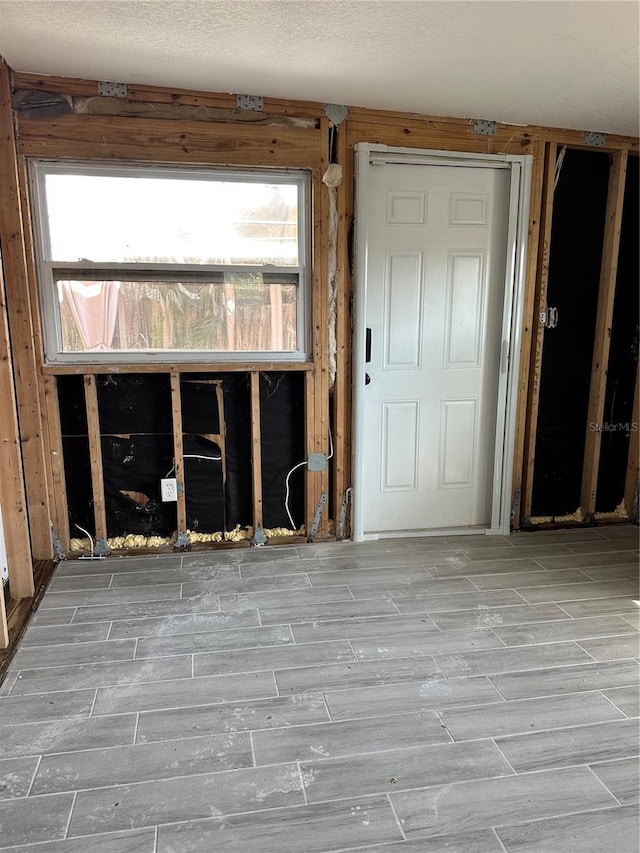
x=49 y=270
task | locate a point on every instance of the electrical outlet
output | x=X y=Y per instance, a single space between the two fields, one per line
x=169 y=489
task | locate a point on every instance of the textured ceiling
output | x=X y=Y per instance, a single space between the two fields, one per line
x=568 y=64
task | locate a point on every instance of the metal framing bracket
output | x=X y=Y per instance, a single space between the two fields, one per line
x=101 y=548
x=258 y=539
x=182 y=542
x=595 y=139
x=315 y=524
x=484 y=127
x=113 y=90
x=336 y=113
x=57 y=545
x=250 y=102
x=342 y=519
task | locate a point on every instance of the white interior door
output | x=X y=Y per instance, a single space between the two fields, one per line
x=435 y=276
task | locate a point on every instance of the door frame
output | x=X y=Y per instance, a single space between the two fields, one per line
x=519 y=166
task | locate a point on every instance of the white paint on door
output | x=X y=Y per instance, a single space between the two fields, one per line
x=435 y=276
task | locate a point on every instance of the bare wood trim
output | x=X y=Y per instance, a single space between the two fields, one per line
x=95 y=455
x=87 y=88
x=312 y=491
x=341 y=389
x=529 y=323
x=542 y=280
x=23 y=333
x=633 y=462
x=246 y=367
x=60 y=517
x=114 y=137
x=221 y=440
x=256 y=451
x=178 y=452
x=602 y=337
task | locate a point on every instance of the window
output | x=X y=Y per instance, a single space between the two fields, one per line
x=157 y=264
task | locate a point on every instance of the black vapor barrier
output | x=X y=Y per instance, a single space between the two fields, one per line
x=137 y=444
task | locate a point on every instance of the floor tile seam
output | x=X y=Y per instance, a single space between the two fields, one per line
x=138 y=710
x=571 y=727
x=499 y=840
x=132 y=744
x=603 y=808
x=542 y=730
x=135 y=618
x=95 y=789
x=578 y=640
x=373 y=753
x=444 y=725
x=181 y=652
x=218 y=818
x=191 y=633
x=302 y=785
x=403 y=836
x=606 y=788
x=35 y=773
x=71 y=810
x=528 y=646
x=253 y=749
x=622 y=711
x=55 y=647
x=100 y=686
x=155 y=839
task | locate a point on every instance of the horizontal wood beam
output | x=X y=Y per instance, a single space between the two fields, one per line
x=166 y=141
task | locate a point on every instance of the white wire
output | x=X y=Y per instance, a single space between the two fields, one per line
x=89 y=535
x=192 y=456
x=286 y=497
x=295 y=467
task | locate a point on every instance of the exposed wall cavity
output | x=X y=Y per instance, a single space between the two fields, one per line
x=137 y=446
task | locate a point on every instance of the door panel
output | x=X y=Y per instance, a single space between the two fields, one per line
x=435 y=284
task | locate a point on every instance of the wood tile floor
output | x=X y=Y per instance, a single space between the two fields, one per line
x=470 y=695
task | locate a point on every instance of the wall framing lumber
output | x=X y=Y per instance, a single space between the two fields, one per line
x=155 y=140
x=529 y=324
x=256 y=451
x=602 y=337
x=542 y=280
x=633 y=463
x=60 y=517
x=95 y=455
x=178 y=452
x=341 y=426
x=78 y=87
x=4 y=626
x=209 y=367
x=20 y=319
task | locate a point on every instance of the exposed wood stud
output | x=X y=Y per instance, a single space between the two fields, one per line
x=633 y=462
x=542 y=281
x=341 y=394
x=256 y=451
x=178 y=452
x=529 y=318
x=602 y=337
x=60 y=518
x=4 y=627
x=23 y=334
x=95 y=456
x=12 y=492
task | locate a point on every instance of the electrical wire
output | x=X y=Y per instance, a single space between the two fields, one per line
x=192 y=456
x=295 y=468
x=90 y=538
